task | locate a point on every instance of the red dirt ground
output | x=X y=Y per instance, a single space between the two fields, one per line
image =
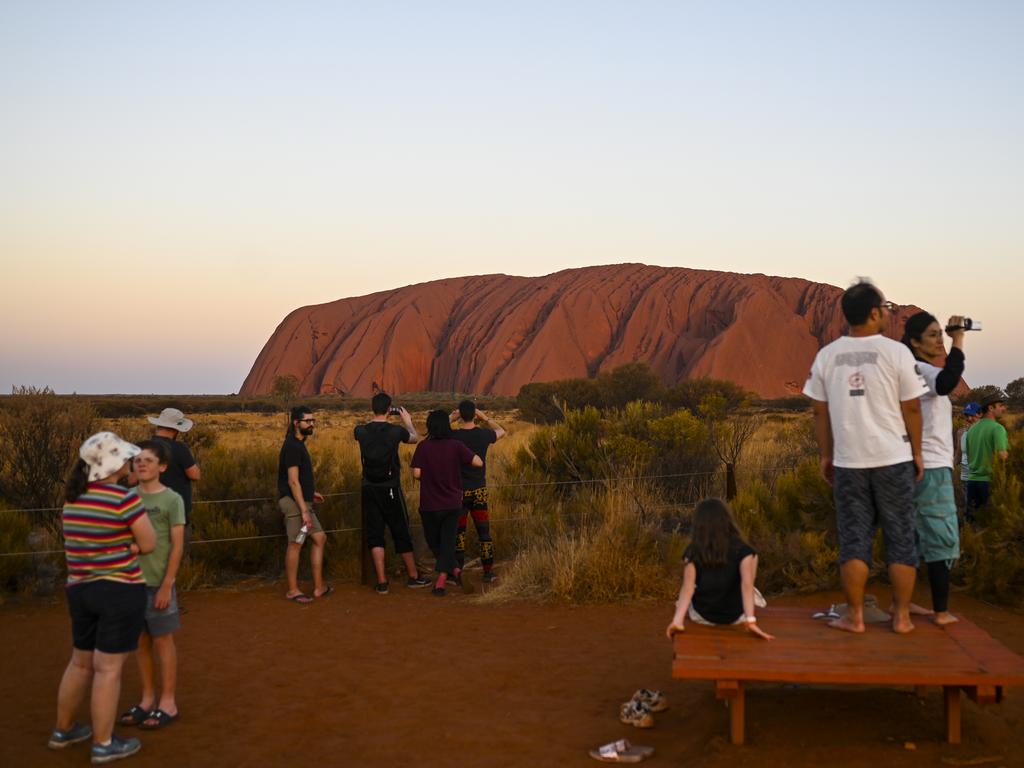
x=359 y=679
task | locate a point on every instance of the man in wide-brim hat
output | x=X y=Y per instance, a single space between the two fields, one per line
x=182 y=469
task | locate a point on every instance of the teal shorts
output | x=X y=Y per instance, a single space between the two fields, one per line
x=938 y=532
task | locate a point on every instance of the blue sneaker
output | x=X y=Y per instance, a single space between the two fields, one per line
x=117 y=749
x=76 y=733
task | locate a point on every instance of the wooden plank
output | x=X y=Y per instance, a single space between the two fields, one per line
x=981 y=694
x=737 y=716
x=951 y=696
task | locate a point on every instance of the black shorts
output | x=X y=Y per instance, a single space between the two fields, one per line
x=384 y=506
x=106 y=616
x=868 y=498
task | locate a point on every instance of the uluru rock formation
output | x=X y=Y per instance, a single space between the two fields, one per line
x=494 y=333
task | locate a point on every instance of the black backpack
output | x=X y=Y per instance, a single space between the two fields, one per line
x=378 y=453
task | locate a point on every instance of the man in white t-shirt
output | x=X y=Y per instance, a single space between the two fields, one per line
x=867 y=415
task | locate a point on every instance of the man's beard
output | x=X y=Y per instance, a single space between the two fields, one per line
x=306 y=432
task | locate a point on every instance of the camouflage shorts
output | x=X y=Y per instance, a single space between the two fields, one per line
x=867 y=499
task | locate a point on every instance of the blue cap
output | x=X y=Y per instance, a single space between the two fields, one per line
x=972 y=409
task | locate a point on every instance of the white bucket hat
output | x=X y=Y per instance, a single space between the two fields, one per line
x=105 y=453
x=171 y=418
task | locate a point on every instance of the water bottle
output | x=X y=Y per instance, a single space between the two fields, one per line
x=303 y=531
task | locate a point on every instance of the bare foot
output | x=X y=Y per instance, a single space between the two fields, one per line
x=915 y=610
x=844 y=623
x=945 y=617
x=902 y=626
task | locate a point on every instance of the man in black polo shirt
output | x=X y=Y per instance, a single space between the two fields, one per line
x=382 y=500
x=474 y=484
x=296 y=496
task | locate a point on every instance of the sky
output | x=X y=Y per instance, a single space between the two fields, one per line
x=176 y=177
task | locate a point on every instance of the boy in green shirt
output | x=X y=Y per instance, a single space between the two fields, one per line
x=166 y=511
x=985 y=440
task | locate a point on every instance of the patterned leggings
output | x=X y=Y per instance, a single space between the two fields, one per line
x=474 y=503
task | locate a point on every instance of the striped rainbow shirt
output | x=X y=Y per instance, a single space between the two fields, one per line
x=97 y=534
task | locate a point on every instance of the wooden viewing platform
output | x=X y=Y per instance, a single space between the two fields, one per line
x=958 y=658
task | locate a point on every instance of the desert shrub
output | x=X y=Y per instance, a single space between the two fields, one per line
x=1015 y=392
x=977 y=394
x=41 y=434
x=638 y=440
x=690 y=393
x=793 y=529
x=992 y=556
x=15 y=528
x=613 y=553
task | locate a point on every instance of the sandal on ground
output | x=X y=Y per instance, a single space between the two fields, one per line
x=621 y=751
x=637 y=714
x=300 y=598
x=133 y=716
x=655 y=700
x=162 y=719
x=325 y=593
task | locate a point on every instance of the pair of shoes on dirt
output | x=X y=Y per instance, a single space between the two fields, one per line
x=637 y=714
x=621 y=751
x=639 y=710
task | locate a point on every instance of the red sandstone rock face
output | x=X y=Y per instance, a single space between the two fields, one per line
x=494 y=333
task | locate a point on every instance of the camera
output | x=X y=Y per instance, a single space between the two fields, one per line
x=394 y=411
x=968 y=325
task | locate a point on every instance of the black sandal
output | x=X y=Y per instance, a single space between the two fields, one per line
x=134 y=716
x=161 y=717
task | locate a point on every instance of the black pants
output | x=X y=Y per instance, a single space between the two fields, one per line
x=439 y=530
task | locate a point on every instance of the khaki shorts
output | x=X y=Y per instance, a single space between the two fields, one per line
x=293 y=517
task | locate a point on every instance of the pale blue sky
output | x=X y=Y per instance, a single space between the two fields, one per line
x=227 y=162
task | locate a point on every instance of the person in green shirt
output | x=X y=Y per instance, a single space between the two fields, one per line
x=166 y=510
x=985 y=440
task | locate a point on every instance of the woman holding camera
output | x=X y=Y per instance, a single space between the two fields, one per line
x=437 y=464
x=937 y=527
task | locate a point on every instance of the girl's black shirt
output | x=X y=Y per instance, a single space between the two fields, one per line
x=719 y=597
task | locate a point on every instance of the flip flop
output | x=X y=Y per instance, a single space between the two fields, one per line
x=133 y=716
x=300 y=598
x=325 y=593
x=621 y=751
x=162 y=719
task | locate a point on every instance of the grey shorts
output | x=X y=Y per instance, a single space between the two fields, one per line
x=293 y=517
x=162 y=622
x=867 y=499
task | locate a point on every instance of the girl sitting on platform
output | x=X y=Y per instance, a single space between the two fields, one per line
x=718 y=573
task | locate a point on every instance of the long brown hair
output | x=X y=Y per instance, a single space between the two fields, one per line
x=78 y=480
x=715 y=534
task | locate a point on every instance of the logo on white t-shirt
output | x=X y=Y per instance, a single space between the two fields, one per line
x=856 y=382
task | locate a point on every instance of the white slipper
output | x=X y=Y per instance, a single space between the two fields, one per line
x=621 y=751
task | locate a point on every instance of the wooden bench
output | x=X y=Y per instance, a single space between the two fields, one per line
x=959 y=658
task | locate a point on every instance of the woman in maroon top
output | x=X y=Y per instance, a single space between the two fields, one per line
x=437 y=464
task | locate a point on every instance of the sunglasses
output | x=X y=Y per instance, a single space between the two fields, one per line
x=889 y=306
x=307 y=421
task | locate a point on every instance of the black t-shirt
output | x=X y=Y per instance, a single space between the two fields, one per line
x=476 y=439
x=719 y=597
x=378 y=451
x=295 y=454
x=175 y=477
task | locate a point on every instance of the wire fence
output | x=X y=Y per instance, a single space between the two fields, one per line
x=355 y=529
